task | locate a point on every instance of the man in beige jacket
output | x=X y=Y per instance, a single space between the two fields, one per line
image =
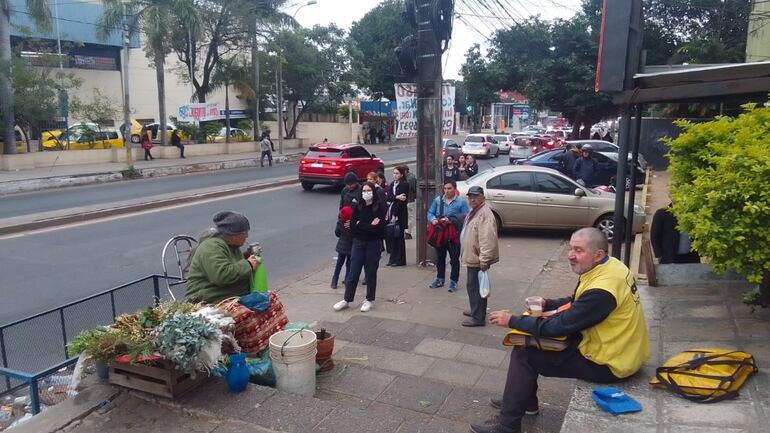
x=479 y=252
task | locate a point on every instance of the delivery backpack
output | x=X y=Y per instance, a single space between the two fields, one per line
x=705 y=375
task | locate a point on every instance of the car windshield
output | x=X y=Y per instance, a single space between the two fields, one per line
x=501 y=137
x=474 y=139
x=316 y=152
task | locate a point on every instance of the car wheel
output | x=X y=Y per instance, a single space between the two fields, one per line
x=499 y=222
x=307 y=186
x=497 y=154
x=135 y=139
x=511 y=160
x=607 y=225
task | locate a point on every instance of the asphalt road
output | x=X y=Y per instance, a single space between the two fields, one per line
x=65 y=198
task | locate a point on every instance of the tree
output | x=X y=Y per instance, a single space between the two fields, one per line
x=39 y=12
x=719 y=172
x=233 y=72
x=152 y=18
x=479 y=83
x=373 y=41
x=99 y=109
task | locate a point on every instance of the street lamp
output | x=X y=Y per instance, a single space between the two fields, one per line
x=309 y=3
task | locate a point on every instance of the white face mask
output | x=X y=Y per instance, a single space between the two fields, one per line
x=367 y=195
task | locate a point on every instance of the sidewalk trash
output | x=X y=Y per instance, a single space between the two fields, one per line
x=614 y=401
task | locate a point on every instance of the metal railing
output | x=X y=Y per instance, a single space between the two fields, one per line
x=35 y=347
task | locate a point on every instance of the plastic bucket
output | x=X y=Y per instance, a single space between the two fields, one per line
x=293 y=355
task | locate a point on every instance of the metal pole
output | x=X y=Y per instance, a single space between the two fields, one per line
x=255 y=72
x=632 y=190
x=126 y=103
x=428 y=120
x=620 y=182
x=279 y=89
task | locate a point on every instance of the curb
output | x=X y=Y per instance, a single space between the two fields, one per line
x=40 y=184
x=112 y=210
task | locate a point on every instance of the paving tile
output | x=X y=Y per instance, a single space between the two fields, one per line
x=363 y=321
x=342 y=400
x=702 y=429
x=240 y=427
x=698 y=330
x=492 y=380
x=481 y=356
x=549 y=420
x=411 y=421
x=438 y=348
x=365 y=335
x=686 y=310
x=577 y=421
x=582 y=401
x=468 y=405
x=397 y=341
x=347 y=420
x=399 y=326
x=386 y=359
x=732 y=414
x=359 y=382
x=214 y=397
x=418 y=394
x=290 y=413
x=443 y=425
x=455 y=373
x=752 y=329
x=429 y=331
x=492 y=342
x=465 y=337
x=333 y=327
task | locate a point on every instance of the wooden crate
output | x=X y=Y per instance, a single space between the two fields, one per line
x=160 y=379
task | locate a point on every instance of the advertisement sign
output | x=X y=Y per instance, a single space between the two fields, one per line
x=379 y=108
x=198 y=112
x=406 y=101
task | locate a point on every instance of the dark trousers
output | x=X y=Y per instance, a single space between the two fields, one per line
x=342 y=259
x=181 y=149
x=364 y=255
x=478 y=304
x=269 y=155
x=397 y=250
x=454 y=262
x=147 y=154
x=527 y=363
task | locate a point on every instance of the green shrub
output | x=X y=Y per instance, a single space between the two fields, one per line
x=720 y=184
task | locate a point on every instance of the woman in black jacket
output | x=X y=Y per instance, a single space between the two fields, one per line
x=397 y=217
x=471 y=168
x=367 y=225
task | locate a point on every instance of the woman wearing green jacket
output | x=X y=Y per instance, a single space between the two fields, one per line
x=218 y=269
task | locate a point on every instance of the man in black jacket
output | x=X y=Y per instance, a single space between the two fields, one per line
x=351 y=190
x=668 y=243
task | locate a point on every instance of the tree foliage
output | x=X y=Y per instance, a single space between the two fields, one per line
x=719 y=174
x=373 y=41
x=479 y=82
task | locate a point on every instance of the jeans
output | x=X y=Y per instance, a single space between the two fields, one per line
x=341 y=259
x=269 y=155
x=454 y=262
x=364 y=255
x=525 y=366
x=181 y=149
x=477 y=303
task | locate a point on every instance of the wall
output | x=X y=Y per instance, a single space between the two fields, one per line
x=758 y=36
x=315 y=132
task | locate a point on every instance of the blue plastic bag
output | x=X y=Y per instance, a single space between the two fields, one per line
x=256 y=301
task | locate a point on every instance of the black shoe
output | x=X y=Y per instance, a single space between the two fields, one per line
x=532 y=409
x=492 y=426
x=467 y=313
x=470 y=323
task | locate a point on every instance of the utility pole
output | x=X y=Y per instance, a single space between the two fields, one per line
x=428 y=120
x=126 y=105
x=279 y=108
x=255 y=77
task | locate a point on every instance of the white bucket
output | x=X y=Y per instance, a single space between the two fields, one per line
x=293 y=355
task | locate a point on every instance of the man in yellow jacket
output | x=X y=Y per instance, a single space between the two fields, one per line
x=603 y=321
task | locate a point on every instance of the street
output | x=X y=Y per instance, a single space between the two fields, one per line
x=46 y=268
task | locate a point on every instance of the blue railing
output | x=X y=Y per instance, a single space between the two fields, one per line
x=35 y=347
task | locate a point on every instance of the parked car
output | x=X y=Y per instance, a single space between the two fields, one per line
x=481 y=145
x=236 y=135
x=607 y=166
x=541 y=198
x=53 y=140
x=450 y=147
x=327 y=164
x=606 y=146
x=83 y=136
x=524 y=147
x=504 y=142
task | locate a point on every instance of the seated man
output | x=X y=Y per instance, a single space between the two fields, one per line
x=605 y=323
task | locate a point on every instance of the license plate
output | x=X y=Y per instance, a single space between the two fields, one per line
x=316 y=165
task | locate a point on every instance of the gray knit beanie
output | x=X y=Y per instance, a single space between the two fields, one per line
x=231 y=223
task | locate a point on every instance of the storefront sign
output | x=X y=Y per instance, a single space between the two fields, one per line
x=406 y=100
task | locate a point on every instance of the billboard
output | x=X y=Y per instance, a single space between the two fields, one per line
x=406 y=101
x=200 y=112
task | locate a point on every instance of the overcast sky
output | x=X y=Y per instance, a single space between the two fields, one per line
x=345 y=12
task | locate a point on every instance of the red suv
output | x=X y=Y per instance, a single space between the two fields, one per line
x=327 y=164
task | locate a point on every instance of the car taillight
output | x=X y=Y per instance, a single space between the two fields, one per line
x=550 y=143
x=485 y=144
x=333 y=163
x=534 y=148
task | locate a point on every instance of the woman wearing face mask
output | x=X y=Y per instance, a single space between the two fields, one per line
x=397 y=217
x=368 y=229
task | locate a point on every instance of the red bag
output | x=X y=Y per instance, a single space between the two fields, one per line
x=252 y=328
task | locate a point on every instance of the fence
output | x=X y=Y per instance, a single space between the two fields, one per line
x=35 y=348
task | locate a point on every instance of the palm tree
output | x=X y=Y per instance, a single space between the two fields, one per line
x=152 y=17
x=233 y=72
x=40 y=13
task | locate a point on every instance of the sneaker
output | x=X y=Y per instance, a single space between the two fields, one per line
x=366 y=306
x=341 y=305
x=532 y=409
x=452 y=286
x=438 y=282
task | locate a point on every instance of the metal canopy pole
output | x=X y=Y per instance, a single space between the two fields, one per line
x=632 y=190
x=620 y=182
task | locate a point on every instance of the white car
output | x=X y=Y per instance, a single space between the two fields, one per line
x=504 y=142
x=481 y=145
x=522 y=147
